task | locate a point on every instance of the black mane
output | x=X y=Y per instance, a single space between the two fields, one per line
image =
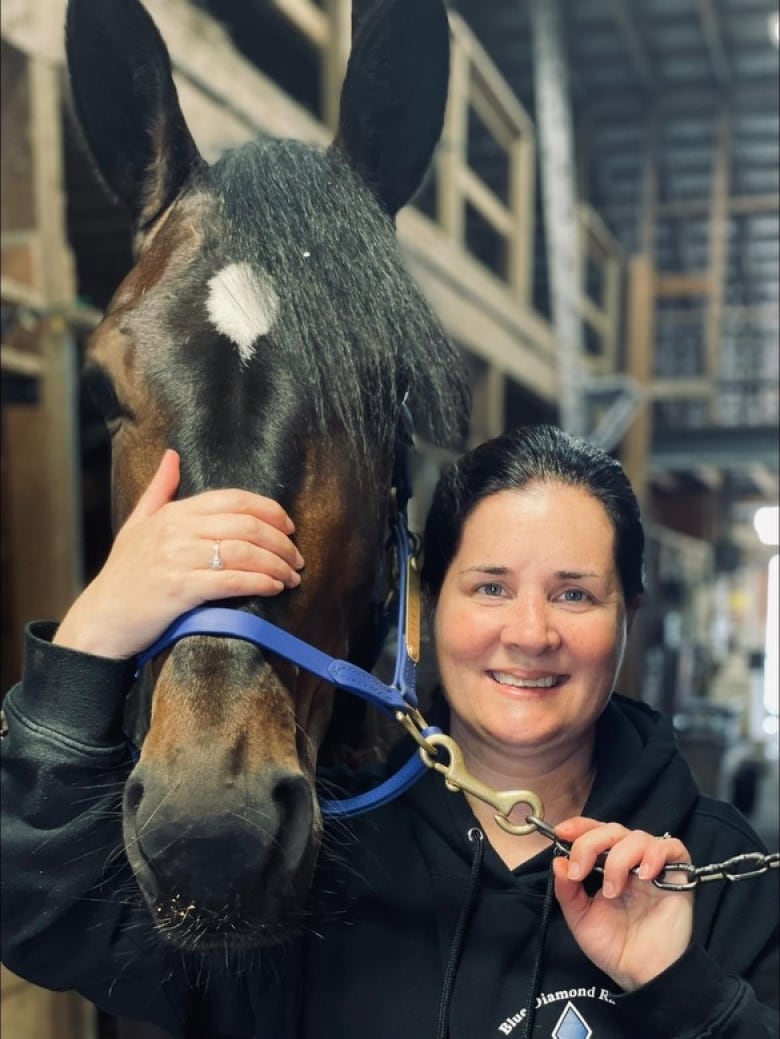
x=353 y=326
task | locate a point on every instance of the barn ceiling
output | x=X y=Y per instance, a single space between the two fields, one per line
x=680 y=96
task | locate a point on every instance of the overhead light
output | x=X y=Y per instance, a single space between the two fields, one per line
x=767 y=524
x=774 y=28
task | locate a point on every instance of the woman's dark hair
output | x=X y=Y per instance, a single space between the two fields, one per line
x=520 y=458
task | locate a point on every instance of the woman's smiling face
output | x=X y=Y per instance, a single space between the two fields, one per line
x=531 y=619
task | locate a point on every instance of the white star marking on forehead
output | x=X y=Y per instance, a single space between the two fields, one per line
x=243 y=305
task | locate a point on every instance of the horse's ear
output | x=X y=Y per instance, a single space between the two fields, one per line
x=127 y=105
x=394 y=94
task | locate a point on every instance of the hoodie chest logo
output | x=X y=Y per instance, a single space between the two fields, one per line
x=571 y=1025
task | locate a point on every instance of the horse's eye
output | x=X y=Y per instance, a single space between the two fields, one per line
x=103 y=394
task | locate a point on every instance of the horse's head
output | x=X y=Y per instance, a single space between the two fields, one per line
x=269 y=332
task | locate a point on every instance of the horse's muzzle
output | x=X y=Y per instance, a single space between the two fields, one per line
x=220 y=863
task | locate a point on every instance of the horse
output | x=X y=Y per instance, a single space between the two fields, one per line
x=270 y=332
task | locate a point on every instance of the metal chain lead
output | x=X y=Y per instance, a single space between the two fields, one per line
x=457 y=777
x=738 y=867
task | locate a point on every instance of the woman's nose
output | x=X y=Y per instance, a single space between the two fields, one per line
x=530 y=626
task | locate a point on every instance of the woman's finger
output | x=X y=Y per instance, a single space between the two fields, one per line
x=587 y=848
x=249 y=559
x=232 y=500
x=160 y=491
x=242 y=530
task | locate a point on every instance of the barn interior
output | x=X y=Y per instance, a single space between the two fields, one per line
x=598 y=234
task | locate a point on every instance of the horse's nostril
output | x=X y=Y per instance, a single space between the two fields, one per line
x=134 y=792
x=293 y=798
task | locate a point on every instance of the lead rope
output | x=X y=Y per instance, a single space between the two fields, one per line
x=477 y=838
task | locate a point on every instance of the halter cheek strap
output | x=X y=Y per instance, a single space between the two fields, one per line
x=398 y=698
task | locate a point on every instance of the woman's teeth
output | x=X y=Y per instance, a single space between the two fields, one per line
x=546 y=682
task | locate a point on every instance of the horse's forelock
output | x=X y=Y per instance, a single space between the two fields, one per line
x=296 y=298
x=351 y=319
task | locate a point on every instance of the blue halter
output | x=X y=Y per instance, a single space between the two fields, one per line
x=400 y=697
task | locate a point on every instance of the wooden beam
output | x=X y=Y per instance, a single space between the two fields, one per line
x=485 y=201
x=719 y=245
x=639 y=365
x=684 y=209
x=710 y=25
x=737 y=204
x=490 y=80
x=709 y=476
x=671 y=285
x=680 y=388
x=478 y=309
x=13 y=291
x=451 y=154
x=747 y=204
x=599 y=235
x=522 y=191
x=594 y=315
x=488 y=412
x=334 y=58
x=613 y=280
x=20 y=362
x=495 y=120
x=310 y=20
x=765 y=479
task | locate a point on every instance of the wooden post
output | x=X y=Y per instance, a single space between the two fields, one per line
x=488 y=414
x=641 y=336
x=42 y=558
x=718 y=248
x=522 y=196
x=451 y=156
x=637 y=442
x=334 y=58
x=33 y=1013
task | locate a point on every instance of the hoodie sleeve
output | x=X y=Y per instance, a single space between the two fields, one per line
x=725 y=985
x=72 y=916
x=694 y=998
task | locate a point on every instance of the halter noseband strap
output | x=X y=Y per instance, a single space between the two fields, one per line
x=400 y=697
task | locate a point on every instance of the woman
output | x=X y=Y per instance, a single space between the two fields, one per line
x=426 y=919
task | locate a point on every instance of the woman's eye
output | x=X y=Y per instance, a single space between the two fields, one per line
x=575 y=595
x=491 y=589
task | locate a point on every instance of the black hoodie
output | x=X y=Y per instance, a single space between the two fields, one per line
x=415 y=925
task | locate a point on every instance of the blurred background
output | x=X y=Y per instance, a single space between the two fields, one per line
x=599 y=235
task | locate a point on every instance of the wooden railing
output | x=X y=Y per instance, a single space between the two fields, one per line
x=600 y=312
x=328 y=29
x=475 y=83
x=477 y=89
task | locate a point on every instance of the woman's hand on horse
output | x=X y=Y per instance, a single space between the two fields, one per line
x=630 y=929
x=160 y=564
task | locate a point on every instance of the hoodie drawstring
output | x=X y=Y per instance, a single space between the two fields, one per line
x=536 y=976
x=477 y=839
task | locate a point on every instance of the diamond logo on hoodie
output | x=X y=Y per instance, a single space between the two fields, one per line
x=571 y=1025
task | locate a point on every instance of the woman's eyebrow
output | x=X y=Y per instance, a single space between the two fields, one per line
x=575 y=575
x=488 y=568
